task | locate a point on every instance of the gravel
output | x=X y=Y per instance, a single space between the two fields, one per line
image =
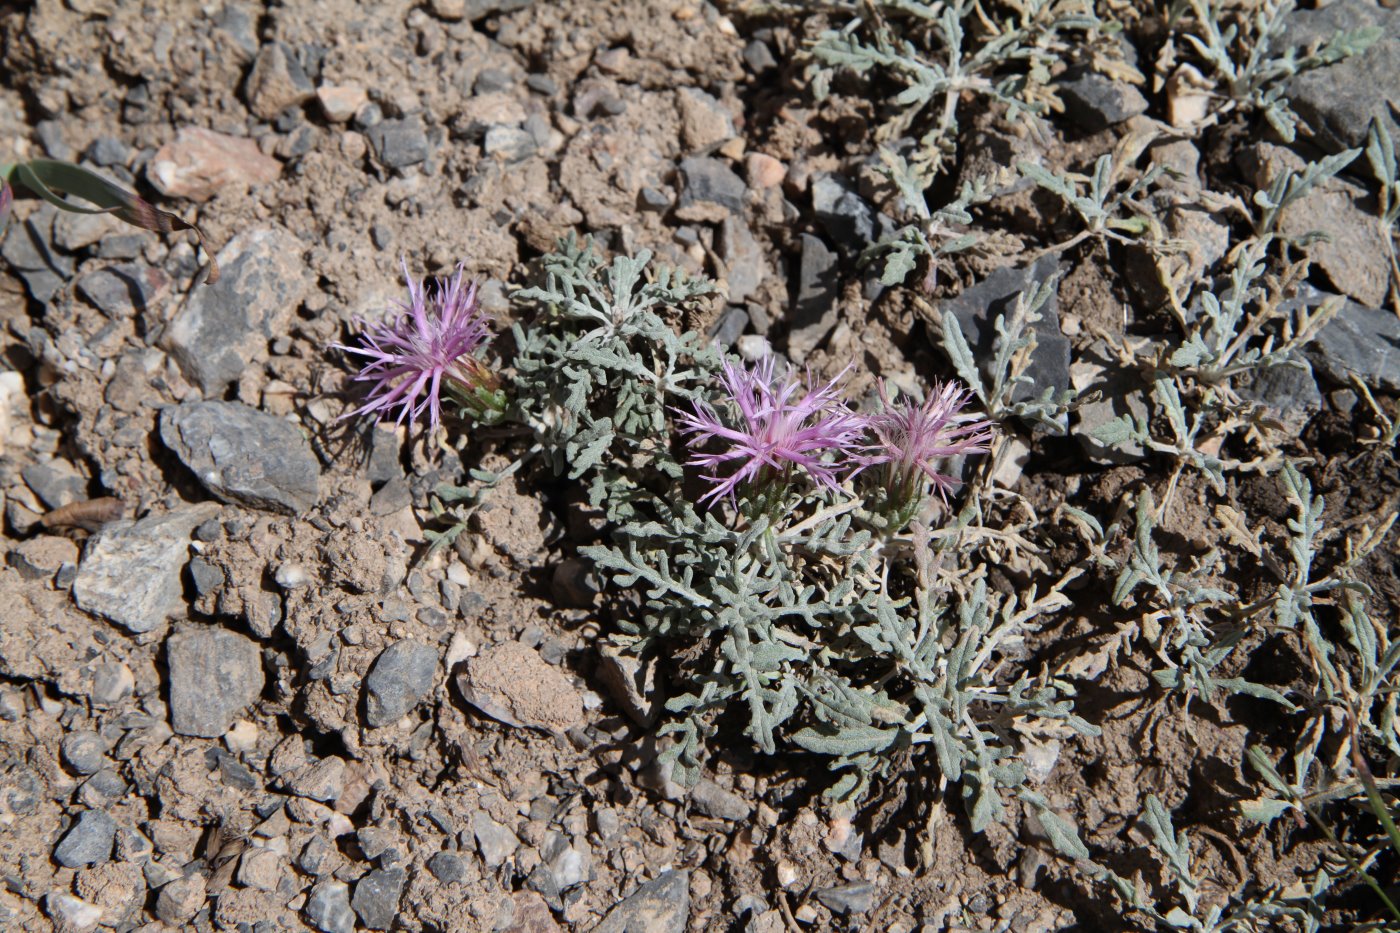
x=88 y=842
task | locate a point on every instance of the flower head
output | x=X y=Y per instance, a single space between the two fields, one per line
x=426 y=347
x=783 y=422
x=909 y=439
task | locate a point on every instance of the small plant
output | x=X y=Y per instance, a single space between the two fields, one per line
x=1247 y=61
x=50 y=180
x=1380 y=152
x=1100 y=205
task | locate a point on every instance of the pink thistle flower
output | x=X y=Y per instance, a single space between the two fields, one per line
x=783 y=422
x=426 y=347
x=909 y=439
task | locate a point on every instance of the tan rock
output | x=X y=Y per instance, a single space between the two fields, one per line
x=510 y=682
x=340 y=102
x=200 y=163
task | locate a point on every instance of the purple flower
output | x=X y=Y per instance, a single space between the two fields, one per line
x=909 y=439
x=782 y=423
x=426 y=347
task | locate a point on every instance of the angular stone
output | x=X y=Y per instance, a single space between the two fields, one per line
x=1359 y=340
x=1290 y=394
x=1339 y=101
x=978 y=307
x=243 y=455
x=214 y=675
x=399 y=143
x=510 y=682
x=1096 y=101
x=714 y=801
x=340 y=102
x=125 y=290
x=659 y=906
x=704 y=121
x=88 y=842
x=276 y=82
x=814 y=311
x=848 y=899
x=712 y=191
x=495 y=842
x=328 y=908
x=377 y=894
x=844 y=214
x=28 y=248
x=401 y=676
x=131 y=573
x=745 y=266
x=224 y=326
x=200 y=163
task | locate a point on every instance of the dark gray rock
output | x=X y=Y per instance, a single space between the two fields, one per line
x=84 y=751
x=399 y=143
x=223 y=327
x=1290 y=393
x=759 y=57
x=574 y=584
x=711 y=190
x=123 y=291
x=1359 y=340
x=844 y=214
x=652 y=199
x=131 y=571
x=243 y=455
x=1339 y=101
x=447 y=867
x=659 y=906
x=542 y=84
x=214 y=675
x=818 y=288
x=848 y=899
x=28 y=248
x=401 y=676
x=315 y=859
x=328 y=908
x=1096 y=101
x=978 y=307
x=730 y=325
x=714 y=801
x=122 y=246
x=88 y=842
x=107 y=151
x=377 y=894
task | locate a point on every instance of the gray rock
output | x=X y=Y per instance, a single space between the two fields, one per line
x=401 y=676
x=495 y=842
x=243 y=455
x=72 y=232
x=88 y=842
x=123 y=291
x=759 y=57
x=223 y=327
x=72 y=913
x=214 y=675
x=1122 y=392
x=818 y=288
x=328 y=908
x=57 y=482
x=569 y=864
x=399 y=143
x=730 y=325
x=844 y=214
x=28 y=249
x=848 y=899
x=50 y=134
x=235 y=22
x=377 y=894
x=324 y=780
x=745 y=266
x=480 y=9
x=276 y=82
x=511 y=143
x=180 y=899
x=84 y=751
x=659 y=906
x=1339 y=101
x=714 y=801
x=1290 y=393
x=1360 y=340
x=107 y=151
x=122 y=246
x=315 y=859
x=574 y=584
x=112 y=682
x=712 y=191
x=131 y=571
x=978 y=307
x=1096 y=101
x=652 y=199
x=448 y=867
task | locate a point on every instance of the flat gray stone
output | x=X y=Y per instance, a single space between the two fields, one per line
x=978 y=307
x=125 y=290
x=400 y=677
x=814 y=308
x=399 y=143
x=244 y=455
x=1096 y=101
x=1339 y=101
x=1359 y=340
x=328 y=908
x=659 y=906
x=714 y=801
x=224 y=326
x=215 y=675
x=848 y=899
x=495 y=842
x=1290 y=393
x=88 y=842
x=377 y=894
x=131 y=572
x=846 y=217
x=712 y=191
